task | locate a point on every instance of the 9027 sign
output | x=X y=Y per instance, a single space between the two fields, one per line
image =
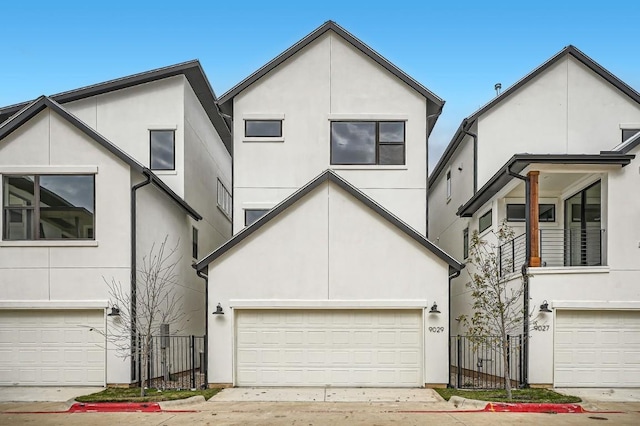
x=436 y=329
x=541 y=327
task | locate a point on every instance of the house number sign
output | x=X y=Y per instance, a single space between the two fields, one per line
x=436 y=329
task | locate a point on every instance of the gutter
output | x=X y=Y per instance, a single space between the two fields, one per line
x=475 y=155
x=134 y=266
x=205 y=367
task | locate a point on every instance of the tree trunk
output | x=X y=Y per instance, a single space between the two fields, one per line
x=507 y=367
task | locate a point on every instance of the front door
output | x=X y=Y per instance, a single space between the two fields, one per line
x=583 y=237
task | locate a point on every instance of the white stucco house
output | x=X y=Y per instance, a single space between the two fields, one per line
x=91 y=179
x=329 y=279
x=555 y=156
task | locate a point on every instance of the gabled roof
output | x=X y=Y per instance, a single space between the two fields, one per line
x=329 y=26
x=519 y=162
x=466 y=124
x=32 y=109
x=328 y=176
x=192 y=70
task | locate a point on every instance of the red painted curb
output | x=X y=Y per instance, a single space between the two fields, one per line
x=503 y=407
x=116 y=407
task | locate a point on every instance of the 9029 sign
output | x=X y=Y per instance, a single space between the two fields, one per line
x=436 y=329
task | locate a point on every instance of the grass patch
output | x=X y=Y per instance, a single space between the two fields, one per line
x=153 y=395
x=519 y=395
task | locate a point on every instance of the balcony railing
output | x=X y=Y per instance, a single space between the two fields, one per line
x=571 y=247
x=512 y=255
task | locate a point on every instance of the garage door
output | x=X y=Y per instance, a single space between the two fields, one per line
x=597 y=348
x=51 y=347
x=329 y=348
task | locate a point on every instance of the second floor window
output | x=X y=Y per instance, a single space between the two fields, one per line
x=224 y=199
x=251 y=215
x=465 y=243
x=263 y=128
x=48 y=207
x=485 y=222
x=367 y=142
x=448 y=184
x=162 y=148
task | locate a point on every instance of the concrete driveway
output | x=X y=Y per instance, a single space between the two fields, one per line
x=44 y=393
x=327 y=395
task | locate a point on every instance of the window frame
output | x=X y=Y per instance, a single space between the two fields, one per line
x=36 y=208
x=226 y=204
x=630 y=133
x=265 y=211
x=485 y=214
x=271 y=120
x=524 y=218
x=173 y=133
x=378 y=143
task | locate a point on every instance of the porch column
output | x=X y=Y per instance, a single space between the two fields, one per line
x=534 y=214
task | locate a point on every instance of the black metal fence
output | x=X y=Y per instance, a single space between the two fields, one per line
x=512 y=255
x=571 y=247
x=176 y=362
x=478 y=363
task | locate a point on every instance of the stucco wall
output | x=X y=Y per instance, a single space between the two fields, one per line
x=327 y=247
x=328 y=80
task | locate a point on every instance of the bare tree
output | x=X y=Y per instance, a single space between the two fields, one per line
x=497 y=309
x=155 y=302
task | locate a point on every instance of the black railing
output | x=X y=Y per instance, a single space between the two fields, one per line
x=176 y=362
x=477 y=362
x=512 y=255
x=571 y=247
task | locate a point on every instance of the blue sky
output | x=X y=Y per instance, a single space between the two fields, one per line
x=458 y=50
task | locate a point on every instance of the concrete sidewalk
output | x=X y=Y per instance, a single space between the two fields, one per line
x=44 y=393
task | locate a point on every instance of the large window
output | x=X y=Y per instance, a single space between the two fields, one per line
x=368 y=142
x=163 y=149
x=48 y=207
x=263 y=128
x=485 y=221
x=517 y=212
x=224 y=199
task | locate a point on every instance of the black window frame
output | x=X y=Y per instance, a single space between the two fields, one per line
x=36 y=208
x=247 y=135
x=264 y=211
x=194 y=242
x=377 y=142
x=173 y=161
x=465 y=243
x=487 y=213
x=523 y=218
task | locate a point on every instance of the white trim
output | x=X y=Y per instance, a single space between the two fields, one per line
x=258 y=205
x=259 y=139
x=54 y=304
x=165 y=172
x=595 y=304
x=367 y=117
x=262 y=116
x=629 y=126
x=162 y=127
x=368 y=167
x=326 y=304
x=49 y=243
x=43 y=170
x=552 y=270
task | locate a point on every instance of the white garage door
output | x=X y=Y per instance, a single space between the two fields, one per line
x=51 y=347
x=597 y=348
x=329 y=347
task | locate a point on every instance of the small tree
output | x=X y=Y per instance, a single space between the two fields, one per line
x=155 y=303
x=497 y=298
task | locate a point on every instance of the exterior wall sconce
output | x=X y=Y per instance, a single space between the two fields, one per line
x=115 y=312
x=434 y=309
x=218 y=310
x=545 y=307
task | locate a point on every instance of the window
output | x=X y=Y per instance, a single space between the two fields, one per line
x=465 y=243
x=162 y=149
x=629 y=133
x=263 y=128
x=367 y=142
x=224 y=199
x=517 y=212
x=251 y=215
x=194 y=242
x=48 y=207
x=448 y=184
x=485 y=221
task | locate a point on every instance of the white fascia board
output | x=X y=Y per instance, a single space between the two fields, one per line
x=58 y=170
x=54 y=304
x=595 y=304
x=326 y=304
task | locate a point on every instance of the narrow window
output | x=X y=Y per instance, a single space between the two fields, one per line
x=485 y=221
x=162 y=148
x=367 y=142
x=251 y=215
x=465 y=243
x=48 y=207
x=629 y=133
x=224 y=199
x=448 y=184
x=263 y=128
x=194 y=242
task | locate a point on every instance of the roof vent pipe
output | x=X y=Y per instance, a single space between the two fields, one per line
x=498 y=87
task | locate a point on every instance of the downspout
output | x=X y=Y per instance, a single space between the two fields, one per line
x=205 y=367
x=525 y=277
x=134 y=266
x=475 y=156
x=456 y=274
x=435 y=118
